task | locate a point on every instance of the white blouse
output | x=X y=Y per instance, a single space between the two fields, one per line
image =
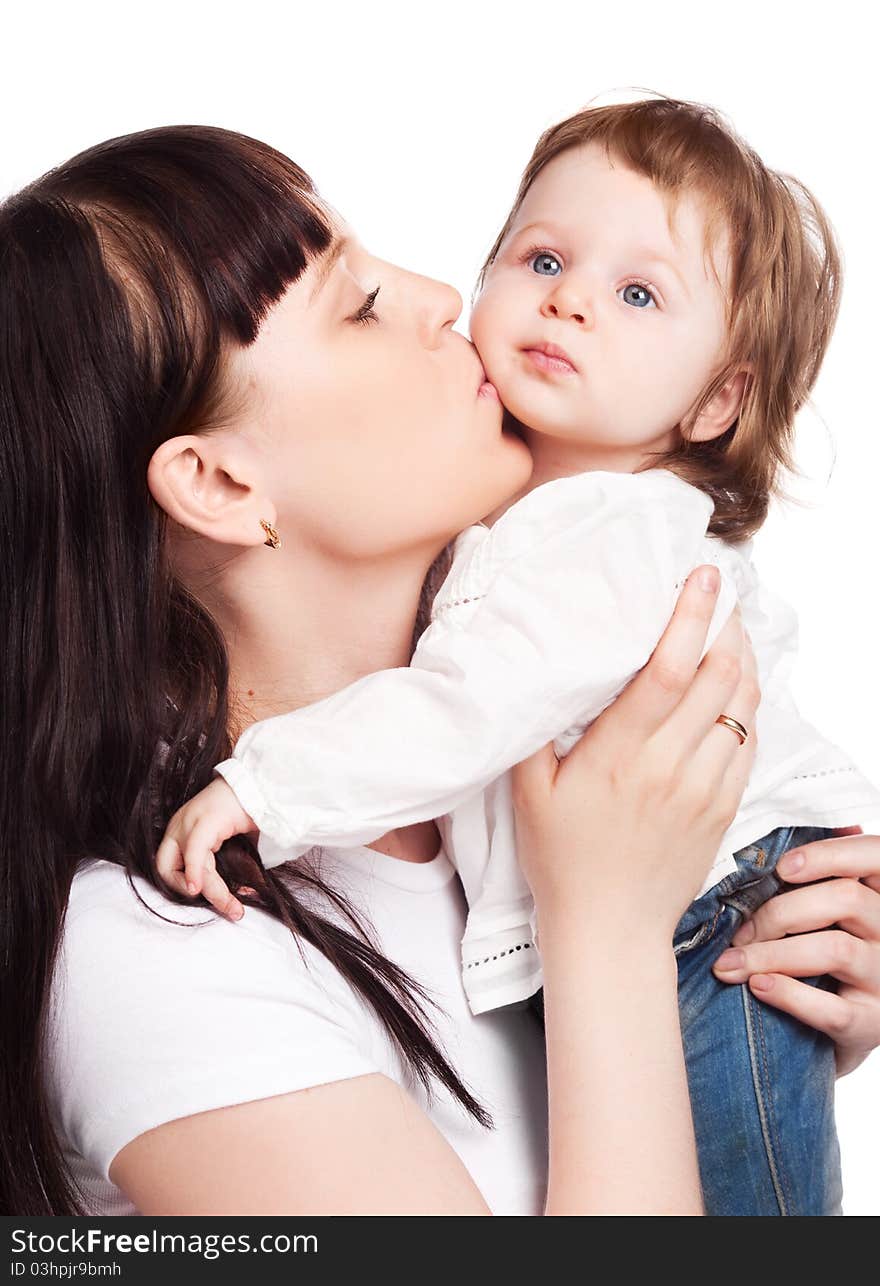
x=542 y=621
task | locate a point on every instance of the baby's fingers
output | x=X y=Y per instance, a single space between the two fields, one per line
x=198 y=848
x=169 y=863
x=187 y=866
x=216 y=892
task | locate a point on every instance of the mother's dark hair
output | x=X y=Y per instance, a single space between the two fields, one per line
x=124 y=275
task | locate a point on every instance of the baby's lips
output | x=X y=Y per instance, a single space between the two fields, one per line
x=550 y=357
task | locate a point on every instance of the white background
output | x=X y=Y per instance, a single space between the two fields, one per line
x=416 y=120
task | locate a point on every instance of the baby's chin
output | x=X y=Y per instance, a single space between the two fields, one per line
x=523 y=416
x=529 y=405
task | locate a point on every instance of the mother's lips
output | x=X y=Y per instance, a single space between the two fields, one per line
x=485 y=387
x=550 y=357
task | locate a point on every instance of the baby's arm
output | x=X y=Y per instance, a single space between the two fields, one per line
x=580 y=581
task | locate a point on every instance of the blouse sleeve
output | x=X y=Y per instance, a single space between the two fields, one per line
x=539 y=627
x=154 y=1021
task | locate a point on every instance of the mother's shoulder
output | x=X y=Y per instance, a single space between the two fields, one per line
x=125 y=919
x=101 y=885
x=159 y=1016
x=105 y=890
x=155 y=955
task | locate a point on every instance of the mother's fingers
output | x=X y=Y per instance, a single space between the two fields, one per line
x=827 y=1012
x=847 y=903
x=835 y=952
x=659 y=687
x=719 y=682
x=855 y=856
x=735 y=774
x=723 y=751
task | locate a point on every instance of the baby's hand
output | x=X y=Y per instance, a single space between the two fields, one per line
x=185 y=857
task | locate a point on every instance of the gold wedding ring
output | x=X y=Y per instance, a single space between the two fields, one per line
x=734 y=725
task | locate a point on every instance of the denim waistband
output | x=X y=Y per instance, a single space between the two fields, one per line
x=749 y=886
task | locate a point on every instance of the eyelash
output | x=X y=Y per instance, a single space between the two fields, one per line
x=365 y=315
x=646 y=285
x=631 y=281
x=537 y=250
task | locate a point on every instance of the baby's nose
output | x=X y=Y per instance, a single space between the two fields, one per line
x=575 y=316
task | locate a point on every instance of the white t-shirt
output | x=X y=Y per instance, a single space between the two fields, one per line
x=153 y=1021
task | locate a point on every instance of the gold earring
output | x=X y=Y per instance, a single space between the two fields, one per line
x=273 y=538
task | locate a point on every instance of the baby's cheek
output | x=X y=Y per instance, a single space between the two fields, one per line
x=480 y=325
x=490 y=334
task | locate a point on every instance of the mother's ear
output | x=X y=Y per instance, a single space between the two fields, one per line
x=210 y=484
x=721 y=411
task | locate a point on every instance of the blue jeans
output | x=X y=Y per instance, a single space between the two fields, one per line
x=761 y=1082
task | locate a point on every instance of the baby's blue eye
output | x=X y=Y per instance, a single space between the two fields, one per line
x=638 y=296
x=546 y=265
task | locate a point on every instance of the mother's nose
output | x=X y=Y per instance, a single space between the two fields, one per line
x=438 y=307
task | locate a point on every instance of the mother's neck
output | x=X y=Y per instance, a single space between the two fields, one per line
x=300 y=625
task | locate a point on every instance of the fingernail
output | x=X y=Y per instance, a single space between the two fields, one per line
x=709 y=578
x=730 y=960
x=745 y=934
x=791 y=863
x=761 y=981
x=190 y=888
x=236 y=913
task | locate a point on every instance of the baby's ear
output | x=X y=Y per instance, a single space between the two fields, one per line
x=722 y=410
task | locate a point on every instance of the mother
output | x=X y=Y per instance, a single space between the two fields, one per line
x=188 y=352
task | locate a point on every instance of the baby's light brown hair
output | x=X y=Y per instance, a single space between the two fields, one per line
x=784 y=285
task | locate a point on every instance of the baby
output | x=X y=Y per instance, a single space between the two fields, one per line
x=653 y=313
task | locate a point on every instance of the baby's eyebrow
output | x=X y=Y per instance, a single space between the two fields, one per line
x=530 y=227
x=650 y=257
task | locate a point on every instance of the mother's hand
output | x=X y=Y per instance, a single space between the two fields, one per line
x=831 y=927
